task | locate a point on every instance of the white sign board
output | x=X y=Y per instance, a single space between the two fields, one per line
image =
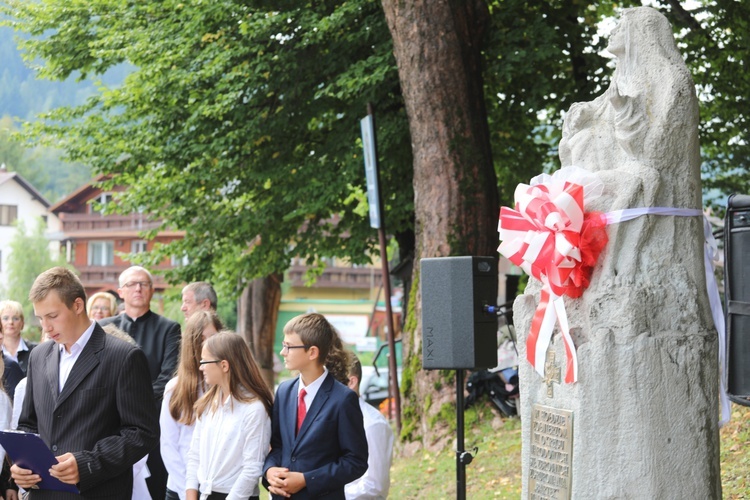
x=371 y=169
x=351 y=327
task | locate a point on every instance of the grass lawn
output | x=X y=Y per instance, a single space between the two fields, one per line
x=495 y=472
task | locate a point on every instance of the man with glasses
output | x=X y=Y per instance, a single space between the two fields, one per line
x=159 y=338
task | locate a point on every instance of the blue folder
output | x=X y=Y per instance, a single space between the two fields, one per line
x=27 y=450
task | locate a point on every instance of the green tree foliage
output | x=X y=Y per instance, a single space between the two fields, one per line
x=29 y=256
x=11 y=153
x=240 y=124
x=715 y=39
x=40 y=165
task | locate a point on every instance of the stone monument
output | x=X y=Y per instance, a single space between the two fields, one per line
x=642 y=419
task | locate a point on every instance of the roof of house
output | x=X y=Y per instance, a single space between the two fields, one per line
x=6 y=176
x=77 y=197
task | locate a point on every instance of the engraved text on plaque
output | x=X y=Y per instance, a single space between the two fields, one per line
x=551 y=455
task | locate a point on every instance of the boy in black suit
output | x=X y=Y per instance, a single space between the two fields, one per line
x=318 y=442
x=88 y=395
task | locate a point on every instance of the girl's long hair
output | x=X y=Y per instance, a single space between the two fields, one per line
x=246 y=384
x=189 y=377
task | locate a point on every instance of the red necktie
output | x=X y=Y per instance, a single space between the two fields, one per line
x=301 y=409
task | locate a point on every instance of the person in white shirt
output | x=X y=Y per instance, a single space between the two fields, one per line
x=177 y=418
x=233 y=433
x=375 y=483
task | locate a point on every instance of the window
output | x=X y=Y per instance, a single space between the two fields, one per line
x=102 y=199
x=180 y=261
x=101 y=253
x=138 y=246
x=8 y=214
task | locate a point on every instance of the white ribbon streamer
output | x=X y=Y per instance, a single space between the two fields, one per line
x=631 y=213
x=711 y=256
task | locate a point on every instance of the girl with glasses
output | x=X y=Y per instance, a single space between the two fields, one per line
x=233 y=432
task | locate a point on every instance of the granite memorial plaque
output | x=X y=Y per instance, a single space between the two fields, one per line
x=551 y=457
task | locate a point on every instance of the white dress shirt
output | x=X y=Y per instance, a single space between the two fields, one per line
x=375 y=483
x=174 y=443
x=228 y=449
x=68 y=359
x=312 y=389
x=140 y=474
x=18 y=396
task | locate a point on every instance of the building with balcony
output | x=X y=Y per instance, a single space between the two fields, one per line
x=350 y=297
x=99 y=244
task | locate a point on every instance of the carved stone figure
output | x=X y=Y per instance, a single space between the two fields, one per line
x=645 y=408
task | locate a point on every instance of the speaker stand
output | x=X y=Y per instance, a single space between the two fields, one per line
x=463 y=457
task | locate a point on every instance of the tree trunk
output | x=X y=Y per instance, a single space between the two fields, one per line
x=257 y=315
x=437 y=45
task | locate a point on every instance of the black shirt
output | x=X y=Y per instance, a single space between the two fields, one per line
x=159 y=338
x=11 y=376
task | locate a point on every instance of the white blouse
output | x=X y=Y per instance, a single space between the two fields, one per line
x=174 y=443
x=228 y=449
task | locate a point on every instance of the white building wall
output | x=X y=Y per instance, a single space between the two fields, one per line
x=29 y=210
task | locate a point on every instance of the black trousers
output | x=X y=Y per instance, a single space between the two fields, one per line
x=222 y=496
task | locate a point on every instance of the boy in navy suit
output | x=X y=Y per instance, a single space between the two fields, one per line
x=318 y=442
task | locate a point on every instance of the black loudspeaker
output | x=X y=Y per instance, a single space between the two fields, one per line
x=737 y=296
x=457 y=332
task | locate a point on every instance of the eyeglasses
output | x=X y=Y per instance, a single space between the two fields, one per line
x=11 y=318
x=210 y=362
x=134 y=284
x=100 y=308
x=286 y=347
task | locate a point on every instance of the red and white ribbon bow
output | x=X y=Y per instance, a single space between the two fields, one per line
x=552 y=238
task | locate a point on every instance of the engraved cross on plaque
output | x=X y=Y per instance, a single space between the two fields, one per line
x=551 y=372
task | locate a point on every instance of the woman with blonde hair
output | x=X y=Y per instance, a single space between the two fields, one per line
x=101 y=305
x=177 y=419
x=233 y=433
x=11 y=326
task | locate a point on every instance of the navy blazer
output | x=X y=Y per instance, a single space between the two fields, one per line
x=331 y=447
x=104 y=415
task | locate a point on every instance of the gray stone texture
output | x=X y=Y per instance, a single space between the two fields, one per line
x=646 y=402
